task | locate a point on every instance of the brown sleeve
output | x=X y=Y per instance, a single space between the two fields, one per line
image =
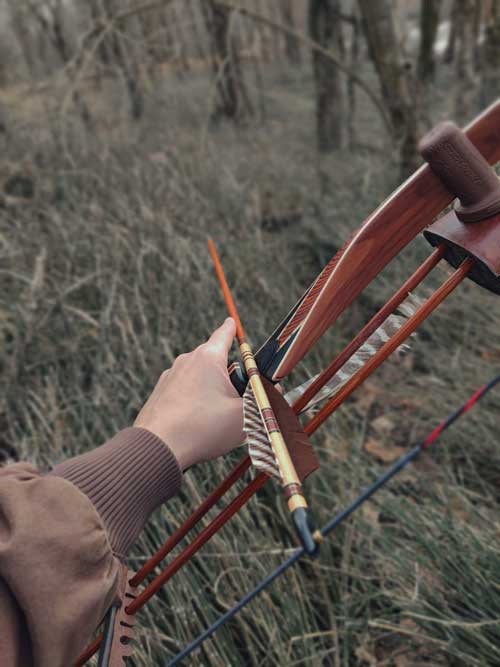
x=126 y=479
x=58 y=534
x=57 y=571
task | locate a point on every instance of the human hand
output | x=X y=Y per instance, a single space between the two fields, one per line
x=194 y=407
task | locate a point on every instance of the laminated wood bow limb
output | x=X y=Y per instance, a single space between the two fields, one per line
x=406 y=213
x=471 y=247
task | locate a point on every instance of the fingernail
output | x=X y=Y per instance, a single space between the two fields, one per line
x=229 y=319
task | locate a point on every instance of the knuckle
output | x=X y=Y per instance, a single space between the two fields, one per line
x=180 y=359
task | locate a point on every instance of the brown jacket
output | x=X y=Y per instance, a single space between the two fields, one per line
x=62 y=535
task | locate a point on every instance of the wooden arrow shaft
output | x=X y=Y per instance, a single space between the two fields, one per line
x=291 y=481
x=424 y=311
x=392 y=344
x=227 y=513
x=377 y=320
x=236 y=474
x=201 y=539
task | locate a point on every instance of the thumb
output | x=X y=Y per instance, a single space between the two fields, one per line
x=222 y=338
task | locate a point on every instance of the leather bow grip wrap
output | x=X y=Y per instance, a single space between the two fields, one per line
x=463 y=170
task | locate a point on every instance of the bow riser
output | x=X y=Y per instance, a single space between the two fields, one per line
x=407 y=212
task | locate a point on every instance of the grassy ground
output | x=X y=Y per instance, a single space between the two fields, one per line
x=105 y=278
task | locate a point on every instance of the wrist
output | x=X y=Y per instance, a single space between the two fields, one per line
x=181 y=450
x=175 y=440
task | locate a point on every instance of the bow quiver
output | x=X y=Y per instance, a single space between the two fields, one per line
x=472 y=228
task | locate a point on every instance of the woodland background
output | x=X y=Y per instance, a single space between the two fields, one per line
x=131 y=130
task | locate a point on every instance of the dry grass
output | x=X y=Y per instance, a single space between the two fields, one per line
x=105 y=278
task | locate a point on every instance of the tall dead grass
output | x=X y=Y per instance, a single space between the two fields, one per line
x=105 y=278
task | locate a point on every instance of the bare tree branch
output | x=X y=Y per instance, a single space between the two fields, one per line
x=315 y=47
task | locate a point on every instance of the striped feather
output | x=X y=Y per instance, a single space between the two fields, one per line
x=259 y=447
x=359 y=358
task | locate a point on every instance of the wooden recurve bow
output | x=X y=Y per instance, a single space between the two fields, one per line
x=471 y=247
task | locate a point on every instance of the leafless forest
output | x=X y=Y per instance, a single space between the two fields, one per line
x=131 y=130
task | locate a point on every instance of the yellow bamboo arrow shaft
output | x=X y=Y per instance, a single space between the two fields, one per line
x=291 y=482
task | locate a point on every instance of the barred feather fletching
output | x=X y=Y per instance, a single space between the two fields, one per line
x=259 y=447
x=365 y=352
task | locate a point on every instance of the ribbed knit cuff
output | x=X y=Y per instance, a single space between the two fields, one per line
x=126 y=479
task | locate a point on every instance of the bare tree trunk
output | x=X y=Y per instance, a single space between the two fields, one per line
x=20 y=26
x=51 y=21
x=478 y=25
x=168 y=35
x=180 y=42
x=233 y=101
x=429 y=21
x=59 y=34
x=491 y=55
x=117 y=54
x=325 y=28
x=276 y=36
x=394 y=76
x=251 y=47
x=153 y=46
x=264 y=34
x=449 y=53
x=102 y=57
x=3 y=122
x=195 y=27
x=465 y=85
x=351 y=86
x=292 y=45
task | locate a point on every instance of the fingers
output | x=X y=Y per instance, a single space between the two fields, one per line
x=222 y=338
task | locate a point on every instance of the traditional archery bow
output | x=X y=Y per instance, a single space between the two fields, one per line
x=469 y=246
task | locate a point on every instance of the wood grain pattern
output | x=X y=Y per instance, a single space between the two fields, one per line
x=477 y=239
x=202 y=538
x=406 y=330
x=389 y=229
x=236 y=474
x=387 y=309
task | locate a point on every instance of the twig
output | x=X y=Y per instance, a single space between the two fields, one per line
x=97 y=31
x=228 y=4
x=407 y=633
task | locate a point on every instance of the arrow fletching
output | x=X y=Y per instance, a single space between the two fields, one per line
x=257 y=440
x=392 y=324
x=396 y=222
